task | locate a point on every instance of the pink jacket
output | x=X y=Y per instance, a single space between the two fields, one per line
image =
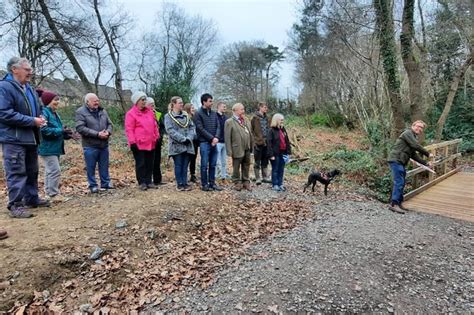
x=141 y=128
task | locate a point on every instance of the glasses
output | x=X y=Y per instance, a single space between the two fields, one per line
x=143 y=98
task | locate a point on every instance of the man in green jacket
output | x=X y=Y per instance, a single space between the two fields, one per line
x=405 y=148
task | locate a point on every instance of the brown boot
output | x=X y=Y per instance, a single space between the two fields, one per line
x=3 y=234
x=397 y=209
x=247 y=186
x=238 y=186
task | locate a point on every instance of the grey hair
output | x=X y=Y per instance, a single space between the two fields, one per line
x=16 y=62
x=237 y=106
x=276 y=120
x=150 y=100
x=88 y=96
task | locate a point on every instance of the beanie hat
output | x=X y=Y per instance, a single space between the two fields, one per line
x=47 y=97
x=136 y=96
x=150 y=100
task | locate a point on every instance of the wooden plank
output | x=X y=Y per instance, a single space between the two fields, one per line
x=421 y=169
x=442 y=144
x=430 y=184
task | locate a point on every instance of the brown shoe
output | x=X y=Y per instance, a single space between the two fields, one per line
x=404 y=208
x=3 y=234
x=238 y=186
x=397 y=209
x=247 y=186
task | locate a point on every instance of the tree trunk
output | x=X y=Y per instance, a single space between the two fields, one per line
x=453 y=87
x=115 y=58
x=385 y=28
x=412 y=66
x=65 y=47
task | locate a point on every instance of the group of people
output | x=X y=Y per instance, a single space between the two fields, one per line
x=30 y=126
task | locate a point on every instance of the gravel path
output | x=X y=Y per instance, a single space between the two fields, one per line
x=355 y=256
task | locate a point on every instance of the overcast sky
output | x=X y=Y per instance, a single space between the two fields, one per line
x=237 y=20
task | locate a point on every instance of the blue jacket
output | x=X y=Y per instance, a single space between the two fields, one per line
x=53 y=136
x=17 y=113
x=207 y=125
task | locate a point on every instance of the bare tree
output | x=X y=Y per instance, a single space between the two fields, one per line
x=65 y=46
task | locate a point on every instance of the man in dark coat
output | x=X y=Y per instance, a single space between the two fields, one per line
x=405 y=148
x=20 y=120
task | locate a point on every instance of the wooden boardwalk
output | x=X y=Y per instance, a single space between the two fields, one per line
x=452 y=197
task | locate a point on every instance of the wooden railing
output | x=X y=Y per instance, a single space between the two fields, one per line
x=444 y=162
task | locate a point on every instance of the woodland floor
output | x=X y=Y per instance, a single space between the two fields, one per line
x=230 y=251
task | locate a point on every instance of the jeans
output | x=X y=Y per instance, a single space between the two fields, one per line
x=20 y=163
x=221 y=160
x=398 y=176
x=52 y=172
x=208 y=163
x=143 y=165
x=157 y=177
x=92 y=157
x=181 y=162
x=192 y=158
x=278 y=169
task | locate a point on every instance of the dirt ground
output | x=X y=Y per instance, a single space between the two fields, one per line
x=155 y=243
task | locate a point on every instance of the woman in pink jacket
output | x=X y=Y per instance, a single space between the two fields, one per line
x=142 y=134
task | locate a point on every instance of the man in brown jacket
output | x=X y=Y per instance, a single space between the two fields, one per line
x=260 y=126
x=239 y=144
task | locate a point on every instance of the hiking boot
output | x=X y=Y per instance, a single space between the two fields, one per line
x=41 y=203
x=266 y=177
x=57 y=198
x=20 y=212
x=276 y=188
x=143 y=187
x=187 y=187
x=193 y=179
x=246 y=186
x=152 y=186
x=282 y=188
x=94 y=190
x=404 y=208
x=109 y=186
x=161 y=183
x=397 y=209
x=3 y=234
x=215 y=187
x=206 y=188
x=238 y=186
x=180 y=188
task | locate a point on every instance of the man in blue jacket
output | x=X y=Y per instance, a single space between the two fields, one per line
x=208 y=130
x=20 y=120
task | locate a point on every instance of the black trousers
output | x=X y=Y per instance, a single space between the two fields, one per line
x=143 y=165
x=157 y=178
x=192 y=158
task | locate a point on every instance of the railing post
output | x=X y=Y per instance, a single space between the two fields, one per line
x=445 y=163
x=432 y=160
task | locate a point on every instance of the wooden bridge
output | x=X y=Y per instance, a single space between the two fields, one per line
x=449 y=192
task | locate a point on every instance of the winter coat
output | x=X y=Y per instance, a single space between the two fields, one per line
x=259 y=137
x=221 y=118
x=17 y=113
x=238 y=138
x=89 y=124
x=273 y=142
x=141 y=128
x=207 y=124
x=53 y=135
x=179 y=133
x=160 y=120
x=406 y=147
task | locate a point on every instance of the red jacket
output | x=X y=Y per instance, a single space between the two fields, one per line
x=141 y=128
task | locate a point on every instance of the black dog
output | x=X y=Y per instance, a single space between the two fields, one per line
x=323 y=178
